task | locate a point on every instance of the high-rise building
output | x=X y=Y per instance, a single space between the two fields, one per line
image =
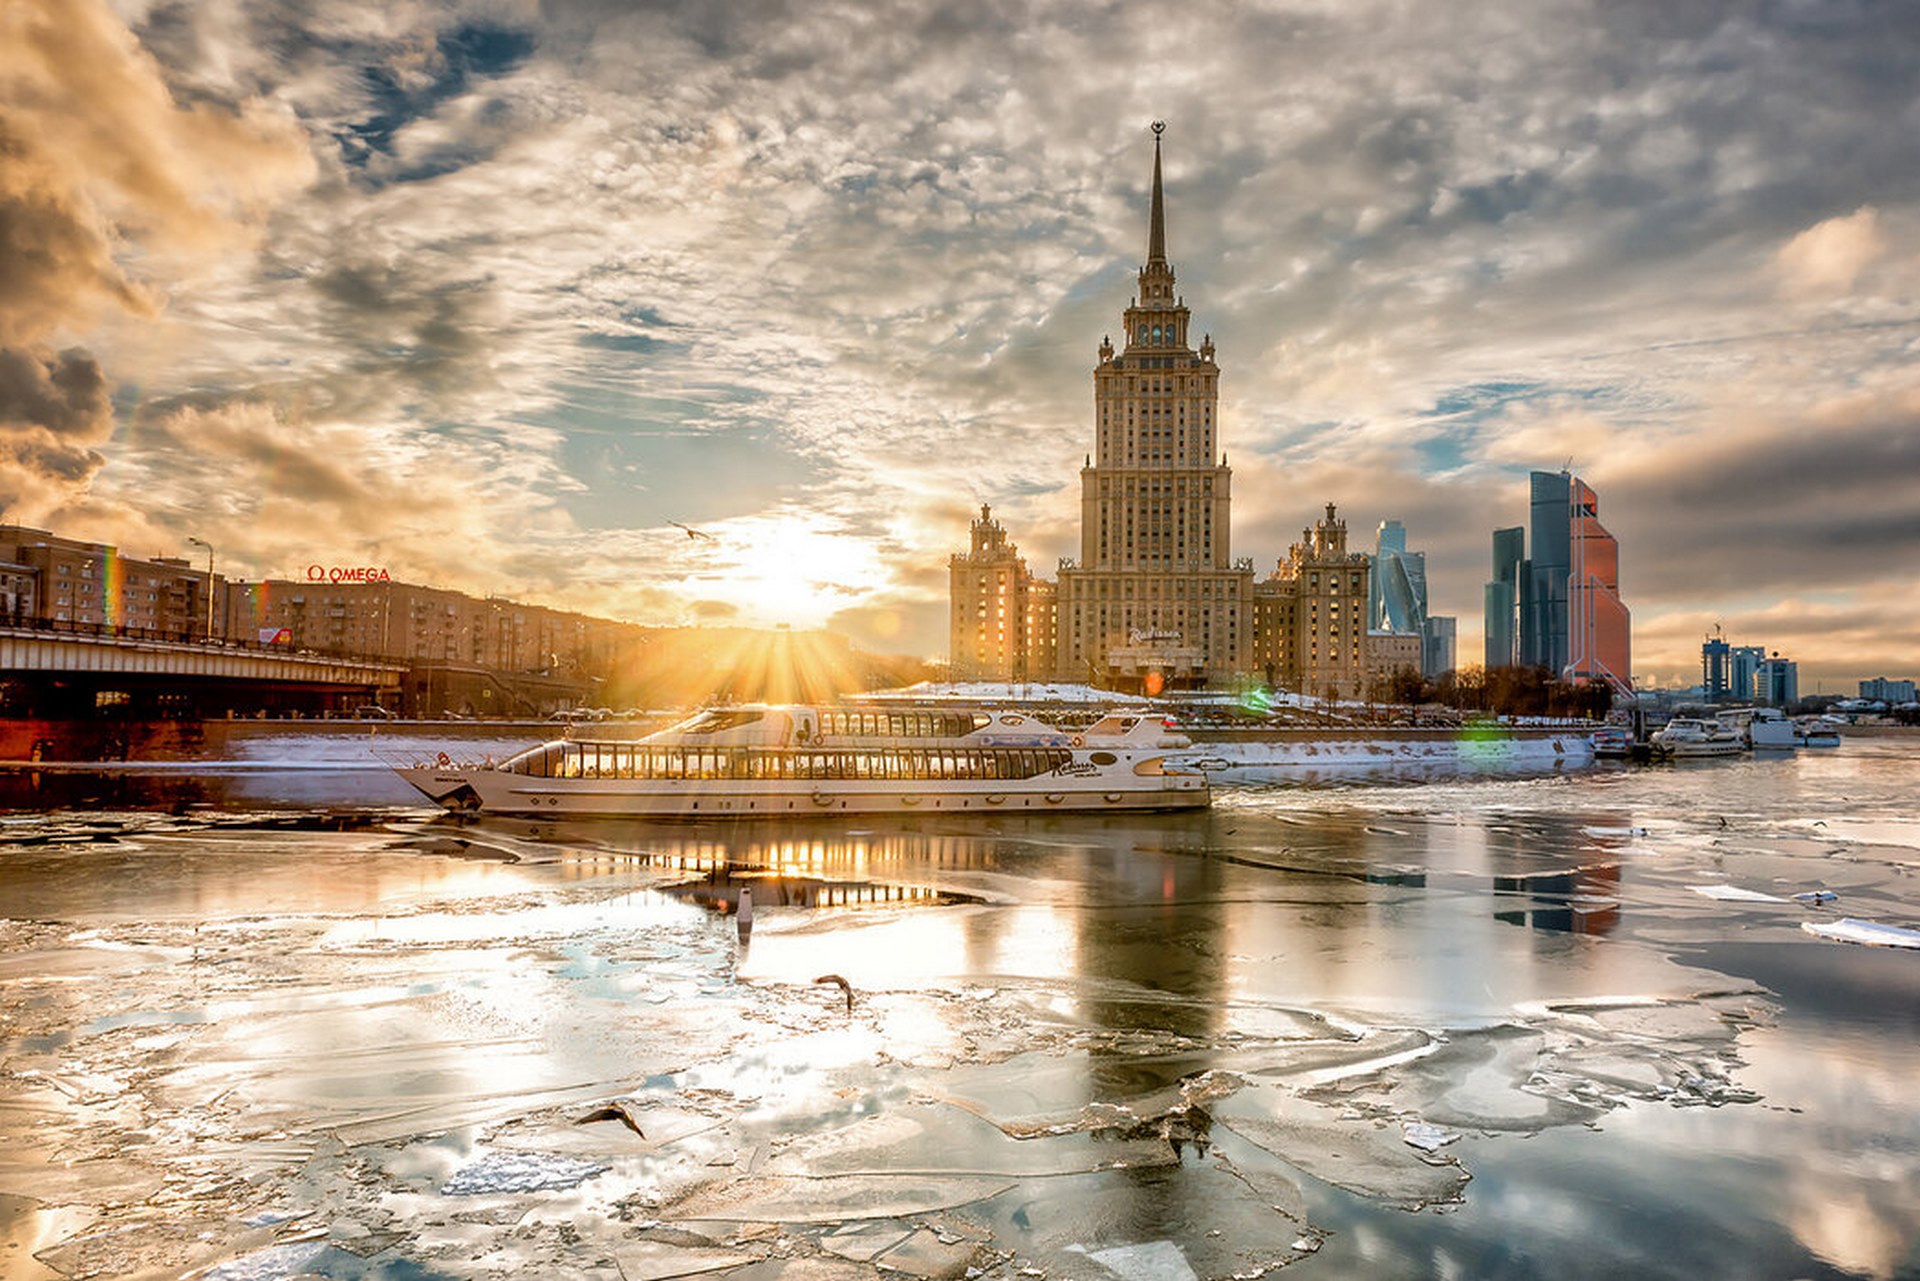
x=1502 y=597
x=1599 y=625
x=1397 y=599
x=1880 y=689
x=1715 y=668
x=1437 y=644
x=1565 y=598
x=1777 y=682
x=1743 y=671
x=1155 y=597
x=1543 y=592
x=988 y=588
x=1313 y=633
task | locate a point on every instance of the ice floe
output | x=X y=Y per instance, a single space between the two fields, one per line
x=1870 y=933
x=503 y=1172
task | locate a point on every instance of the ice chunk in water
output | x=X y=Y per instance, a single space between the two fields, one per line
x=1734 y=894
x=276 y=1261
x=498 y=1172
x=1428 y=1138
x=1153 y=1261
x=1872 y=933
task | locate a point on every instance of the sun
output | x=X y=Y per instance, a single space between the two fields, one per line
x=788 y=567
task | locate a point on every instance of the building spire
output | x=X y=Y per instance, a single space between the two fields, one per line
x=1157 y=223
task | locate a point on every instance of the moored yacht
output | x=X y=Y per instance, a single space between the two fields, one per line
x=1816 y=731
x=788 y=761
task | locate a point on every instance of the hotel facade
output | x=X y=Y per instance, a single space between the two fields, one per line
x=1156 y=599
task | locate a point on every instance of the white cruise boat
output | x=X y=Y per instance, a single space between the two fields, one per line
x=788 y=762
x=1685 y=736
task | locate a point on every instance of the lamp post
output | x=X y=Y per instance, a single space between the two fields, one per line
x=209 y=546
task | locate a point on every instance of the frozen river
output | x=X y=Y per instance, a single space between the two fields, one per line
x=276 y=1024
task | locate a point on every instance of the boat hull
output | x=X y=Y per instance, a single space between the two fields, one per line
x=491 y=791
x=1684 y=751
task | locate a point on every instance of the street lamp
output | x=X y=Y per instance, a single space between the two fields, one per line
x=209 y=546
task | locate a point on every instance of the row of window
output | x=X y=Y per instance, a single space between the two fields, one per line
x=633 y=760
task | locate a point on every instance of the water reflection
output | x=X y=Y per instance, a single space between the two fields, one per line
x=1507 y=957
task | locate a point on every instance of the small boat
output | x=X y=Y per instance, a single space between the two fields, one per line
x=1612 y=741
x=794 y=761
x=1816 y=731
x=1683 y=736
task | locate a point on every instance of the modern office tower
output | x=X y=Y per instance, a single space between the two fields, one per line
x=1743 y=671
x=1502 y=598
x=1397 y=600
x=1437 y=644
x=988 y=587
x=1599 y=625
x=1715 y=668
x=1155 y=597
x=1777 y=682
x=1397 y=591
x=1543 y=594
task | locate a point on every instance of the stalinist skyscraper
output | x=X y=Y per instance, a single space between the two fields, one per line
x=1155 y=598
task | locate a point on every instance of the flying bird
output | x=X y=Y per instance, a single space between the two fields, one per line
x=692 y=532
x=615 y=1111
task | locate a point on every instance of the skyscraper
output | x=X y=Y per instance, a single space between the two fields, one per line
x=1599 y=626
x=1714 y=668
x=1502 y=597
x=1777 y=683
x=1543 y=593
x=1397 y=591
x=1155 y=592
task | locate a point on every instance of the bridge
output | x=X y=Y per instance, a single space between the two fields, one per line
x=85 y=668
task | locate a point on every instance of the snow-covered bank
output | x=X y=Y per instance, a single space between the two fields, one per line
x=1248 y=759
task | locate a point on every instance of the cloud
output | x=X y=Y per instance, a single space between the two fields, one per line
x=1828 y=257
x=54 y=413
x=99 y=167
x=500 y=289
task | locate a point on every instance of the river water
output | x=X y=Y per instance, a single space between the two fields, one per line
x=269 y=1020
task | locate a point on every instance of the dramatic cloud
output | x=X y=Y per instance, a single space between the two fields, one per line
x=498 y=292
x=100 y=167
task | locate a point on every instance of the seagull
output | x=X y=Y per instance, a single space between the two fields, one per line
x=615 y=1111
x=843 y=985
x=692 y=532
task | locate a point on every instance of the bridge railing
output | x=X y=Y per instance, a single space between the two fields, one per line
x=109 y=631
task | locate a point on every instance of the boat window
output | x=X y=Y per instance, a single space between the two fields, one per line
x=716 y=722
x=1103 y=758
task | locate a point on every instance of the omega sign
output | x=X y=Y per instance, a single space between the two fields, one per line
x=348 y=574
x=1148 y=635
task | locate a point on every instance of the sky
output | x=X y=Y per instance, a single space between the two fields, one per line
x=503 y=296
